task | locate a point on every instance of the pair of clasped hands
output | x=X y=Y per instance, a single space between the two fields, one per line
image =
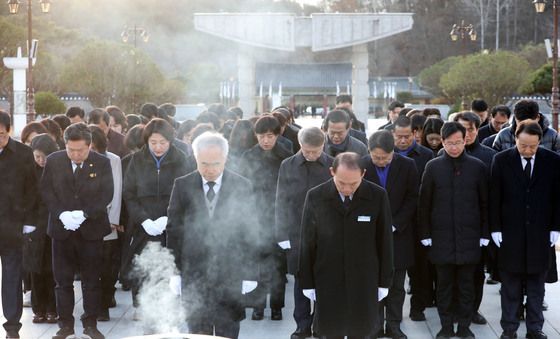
x=72 y=220
x=310 y=293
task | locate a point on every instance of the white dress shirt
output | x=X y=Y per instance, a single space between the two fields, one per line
x=524 y=163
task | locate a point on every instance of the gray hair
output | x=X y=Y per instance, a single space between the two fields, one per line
x=210 y=139
x=312 y=136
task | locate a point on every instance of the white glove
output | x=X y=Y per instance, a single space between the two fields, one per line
x=78 y=216
x=68 y=221
x=248 y=286
x=497 y=238
x=310 y=294
x=382 y=293
x=484 y=242
x=28 y=229
x=554 y=237
x=426 y=242
x=175 y=284
x=161 y=223
x=285 y=245
x=394 y=228
x=151 y=227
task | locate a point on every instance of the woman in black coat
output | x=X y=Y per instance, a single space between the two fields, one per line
x=37 y=245
x=147 y=188
x=261 y=165
x=241 y=139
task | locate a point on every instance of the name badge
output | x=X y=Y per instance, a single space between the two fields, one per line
x=364 y=218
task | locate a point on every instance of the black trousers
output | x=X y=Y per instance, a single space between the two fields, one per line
x=512 y=298
x=273 y=269
x=422 y=280
x=69 y=255
x=302 y=308
x=221 y=326
x=479 y=279
x=42 y=293
x=12 y=294
x=460 y=278
x=391 y=307
x=109 y=271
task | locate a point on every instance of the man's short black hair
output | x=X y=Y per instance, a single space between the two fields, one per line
x=395 y=104
x=336 y=116
x=382 y=139
x=479 y=105
x=403 y=122
x=149 y=110
x=75 y=111
x=349 y=160
x=237 y=111
x=208 y=117
x=167 y=109
x=417 y=122
x=5 y=120
x=526 y=109
x=451 y=127
x=502 y=109
x=532 y=128
x=268 y=123
x=471 y=117
x=76 y=132
x=431 y=111
x=62 y=120
x=344 y=98
x=97 y=115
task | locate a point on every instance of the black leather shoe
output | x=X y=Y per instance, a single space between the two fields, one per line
x=93 y=333
x=51 y=318
x=257 y=314
x=479 y=319
x=417 y=316
x=276 y=314
x=64 y=333
x=395 y=333
x=301 y=334
x=464 y=333
x=446 y=333
x=536 y=335
x=508 y=335
x=12 y=335
x=39 y=318
x=103 y=316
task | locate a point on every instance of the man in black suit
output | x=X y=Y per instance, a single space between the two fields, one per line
x=77 y=187
x=398 y=175
x=298 y=174
x=422 y=274
x=346 y=256
x=211 y=212
x=17 y=216
x=525 y=223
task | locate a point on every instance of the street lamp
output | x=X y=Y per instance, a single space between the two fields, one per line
x=125 y=36
x=13 y=5
x=465 y=33
x=539 y=7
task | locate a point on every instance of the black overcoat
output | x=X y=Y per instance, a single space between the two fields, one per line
x=453 y=208
x=402 y=189
x=296 y=177
x=346 y=256
x=525 y=211
x=214 y=254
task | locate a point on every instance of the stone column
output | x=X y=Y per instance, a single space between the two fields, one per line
x=247 y=85
x=19 y=65
x=360 y=84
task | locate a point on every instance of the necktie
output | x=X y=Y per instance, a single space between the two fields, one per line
x=346 y=202
x=77 y=172
x=210 y=194
x=528 y=168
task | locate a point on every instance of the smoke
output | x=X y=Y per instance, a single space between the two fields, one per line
x=160 y=310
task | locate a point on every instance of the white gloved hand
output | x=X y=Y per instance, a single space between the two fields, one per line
x=151 y=227
x=68 y=221
x=484 y=242
x=78 y=216
x=497 y=238
x=382 y=293
x=28 y=229
x=285 y=245
x=247 y=286
x=394 y=228
x=175 y=284
x=161 y=223
x=310 y=294
x=554 y=237
x=426 y=242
